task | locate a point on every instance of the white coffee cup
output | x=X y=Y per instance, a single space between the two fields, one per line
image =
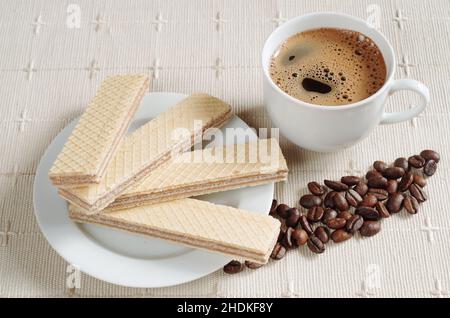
x=328 y=128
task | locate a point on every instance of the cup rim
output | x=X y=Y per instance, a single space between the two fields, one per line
x=389 y=76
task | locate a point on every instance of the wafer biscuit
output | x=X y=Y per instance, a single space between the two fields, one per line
x=198 y=224
x=96 y=137
x=206 y=171
x=149 y=147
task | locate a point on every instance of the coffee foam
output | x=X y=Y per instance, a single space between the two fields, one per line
x=347 y=62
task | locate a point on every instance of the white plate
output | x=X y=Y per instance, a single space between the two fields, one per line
x=128 y=259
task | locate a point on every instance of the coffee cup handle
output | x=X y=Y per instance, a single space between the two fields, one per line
x=409 y=85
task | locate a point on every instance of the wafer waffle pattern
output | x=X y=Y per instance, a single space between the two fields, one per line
x=96 y=137
x=196 y=223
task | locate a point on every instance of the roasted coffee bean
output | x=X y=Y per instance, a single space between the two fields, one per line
x=299 y=237
x=309 y=200
x=411 y=204
x=340 y=235
x=315 y=214
x=354 y=223
x=336 y=223
x=369 y=200
x=316 y=245
x=416 y=161
x=402 y=163
x=418 y=193
x=315 y=188
x=287 y=239
x=368 y=213
x=372 y=174
x=379 y=182
x=430 y=167
x=430 y=155
x=382 y=210
x=361 y=188
x=273 y=208
x=380 y=166
x=328 y=214
x=393 y=172
x=328 y=201
x=336 y=185
x=340 y=202
x=394 y=203
x=406 y=181
x=253 y=265
x=304 y=224
x=322 y=233
x=346 y=215
x=392 y=186
x=350 y=180
x=278 y=252
x=233 y=267
x=292 y=217
x=282 y=210
x=380 y=194
x=420 y=181
x=370 y=228
x=353 y=198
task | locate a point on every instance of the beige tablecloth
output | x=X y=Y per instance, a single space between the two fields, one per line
x=50 y=68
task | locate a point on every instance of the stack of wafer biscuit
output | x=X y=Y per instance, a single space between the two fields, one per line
x=143 y=183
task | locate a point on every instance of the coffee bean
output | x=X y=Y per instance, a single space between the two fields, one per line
x=380 y=166
x=340 y=202
x=336 y=185
x=354 y=223
x=369 y=200
x=392 y=186
x=402 y=163
x=316 y=245
x=282 y=210
x=416 y=161
x=370 y=228
x=299 y=237
x=328 y=201
x=420 y=181
x=292 y=217
x=346 y=215
x=418 y=193
x=361 y=188
x=394 y=203
x=372 y=174
x=278 y=252
x=368 y=213
x=377 y=182
x=353 y=198
x=430 y=155
x=411 y=204
x=393 y=172
x=253 y=265
x=430 y=167
x=304 y=224
x=233 y=267
x=287 y=239
x=380 y=194
x=322 y=233
x=315 y=188
x=350 y=180
x=340 y=235
x=336 y=223
x=382 y=210
x=406 y=181
x=328 y=215
x=315 y=214
x=309 y=200
x=273 y=208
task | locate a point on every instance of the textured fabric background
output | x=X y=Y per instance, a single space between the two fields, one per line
x=49 y=72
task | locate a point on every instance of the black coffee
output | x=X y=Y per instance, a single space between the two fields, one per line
x=328 y=67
